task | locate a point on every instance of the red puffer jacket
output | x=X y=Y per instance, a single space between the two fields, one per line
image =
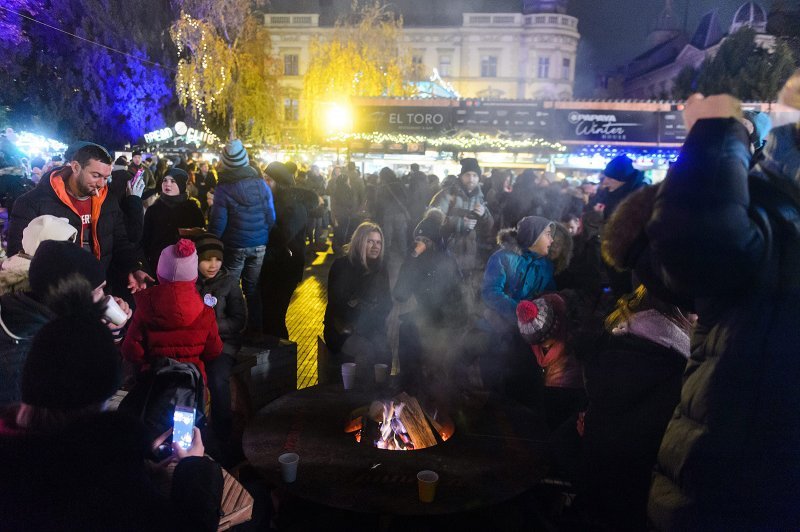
x=172 y=321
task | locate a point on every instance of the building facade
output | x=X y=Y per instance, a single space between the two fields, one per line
x=652 y=74
x=526 y=50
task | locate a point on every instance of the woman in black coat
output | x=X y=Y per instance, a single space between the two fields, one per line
x=359 y=301
x=173 y=210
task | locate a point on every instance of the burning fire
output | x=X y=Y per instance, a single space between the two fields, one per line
x=402 y=425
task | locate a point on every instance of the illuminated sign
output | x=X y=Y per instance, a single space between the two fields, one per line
x=189 y=134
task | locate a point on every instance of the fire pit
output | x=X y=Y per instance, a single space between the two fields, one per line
x=399 y=424
x=496 y=453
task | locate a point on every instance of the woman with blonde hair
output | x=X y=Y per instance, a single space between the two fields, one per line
x=359 y=301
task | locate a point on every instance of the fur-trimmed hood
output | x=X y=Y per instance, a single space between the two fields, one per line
x=507 y=239
x=15 y=279
x=562 y=258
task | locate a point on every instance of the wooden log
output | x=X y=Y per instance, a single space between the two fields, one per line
x=415 y=422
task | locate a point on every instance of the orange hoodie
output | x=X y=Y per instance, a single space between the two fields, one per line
x=60 y=188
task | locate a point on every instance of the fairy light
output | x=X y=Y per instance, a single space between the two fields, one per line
x=463 y=141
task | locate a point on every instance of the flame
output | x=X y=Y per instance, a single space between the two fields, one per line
x=393 y=435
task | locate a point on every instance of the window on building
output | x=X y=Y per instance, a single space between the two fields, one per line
x=291 y=110
x=445 y=64
x=291 y=65
x=565 y=68
x=544 y=68
x=489 y=66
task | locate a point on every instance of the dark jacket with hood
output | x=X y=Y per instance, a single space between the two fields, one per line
x=612 y=199
x=391 y=200
x=92 y=475
x=21 y=317
x=243 y=211
x=110 y=236
x=730 y=458
x=229 y=308
x=513 y=274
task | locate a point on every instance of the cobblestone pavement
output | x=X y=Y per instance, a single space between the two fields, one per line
x=306 y=312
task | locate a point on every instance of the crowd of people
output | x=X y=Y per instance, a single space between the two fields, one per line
x=652 y=326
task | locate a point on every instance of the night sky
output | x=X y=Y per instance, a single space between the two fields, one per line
x=615 y=31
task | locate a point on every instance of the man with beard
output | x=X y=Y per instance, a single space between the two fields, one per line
x=466 y=216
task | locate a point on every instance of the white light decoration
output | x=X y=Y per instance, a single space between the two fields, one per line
x=36 y=145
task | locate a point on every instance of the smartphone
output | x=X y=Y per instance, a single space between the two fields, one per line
x=138 y=176
x=183 y=426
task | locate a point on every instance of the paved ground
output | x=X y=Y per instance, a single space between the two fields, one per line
x=304 y=319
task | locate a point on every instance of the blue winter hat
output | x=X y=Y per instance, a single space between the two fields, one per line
x=621 y=169
x=234 y=155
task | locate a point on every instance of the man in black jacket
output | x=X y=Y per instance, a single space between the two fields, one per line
x=78 y=192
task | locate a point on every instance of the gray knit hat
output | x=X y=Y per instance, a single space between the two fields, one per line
x=530 y=228
x=234 y=155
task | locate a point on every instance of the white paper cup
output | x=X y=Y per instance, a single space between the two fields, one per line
x=289 y=463
x=348 y=375
x=426 y=483
x=113 y=312
x=381 y=373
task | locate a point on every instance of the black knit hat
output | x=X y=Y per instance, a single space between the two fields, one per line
x=280 y=174
x=291 y=166
x=55 y=260
x=529 y=229
x=136 y=152
x=431 y=225
x=470 y=164
x=72 y=363
x=234 y=155
x=180 y=176
x=208 y=246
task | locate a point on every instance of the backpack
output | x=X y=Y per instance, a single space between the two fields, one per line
x=167 y=384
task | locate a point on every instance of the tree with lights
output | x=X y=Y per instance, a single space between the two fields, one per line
x=225 y=71
x=362 y=58
x=740 y=67
x=97 y=83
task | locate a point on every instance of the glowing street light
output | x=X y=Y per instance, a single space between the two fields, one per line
x=338 y=119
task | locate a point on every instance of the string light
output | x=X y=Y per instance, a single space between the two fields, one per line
x=464 y=141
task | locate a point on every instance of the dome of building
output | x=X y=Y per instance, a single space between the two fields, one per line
x=751 y=15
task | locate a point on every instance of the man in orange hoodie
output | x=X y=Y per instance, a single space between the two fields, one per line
x=77 y=191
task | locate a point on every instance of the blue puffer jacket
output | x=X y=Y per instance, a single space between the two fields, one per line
x=243 y=212
x=511 y=275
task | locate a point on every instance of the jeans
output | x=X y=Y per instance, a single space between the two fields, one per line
x=246 y=263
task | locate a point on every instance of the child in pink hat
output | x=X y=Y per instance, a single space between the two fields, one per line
x=171 y=319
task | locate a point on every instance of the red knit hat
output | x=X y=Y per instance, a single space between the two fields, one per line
x=178 y=262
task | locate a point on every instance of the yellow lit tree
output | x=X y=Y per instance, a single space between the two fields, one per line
x=363 y=57
x=226 y=72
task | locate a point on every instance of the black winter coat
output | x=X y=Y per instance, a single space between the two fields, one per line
x=92 y=476
x=434 y=280
x=22 y=317
x=633 y=386
x=730 y=458
x=131 y=206
x=230 y=308
x=161 y=223
x=390 y=201
x=49 y=197
x=358 y=301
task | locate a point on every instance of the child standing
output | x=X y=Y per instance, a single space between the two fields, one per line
x=221 y=292
x=170 y=318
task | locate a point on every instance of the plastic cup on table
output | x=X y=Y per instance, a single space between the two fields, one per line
x=427 y=482
x=348 y=375
x=289 y=463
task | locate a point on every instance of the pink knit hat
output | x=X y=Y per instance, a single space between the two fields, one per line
x=178 y=262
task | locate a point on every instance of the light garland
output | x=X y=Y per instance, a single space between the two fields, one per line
x=188 y=90
x=462 y=141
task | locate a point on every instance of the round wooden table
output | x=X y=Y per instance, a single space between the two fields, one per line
x=496 y=453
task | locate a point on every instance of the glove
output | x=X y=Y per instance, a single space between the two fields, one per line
x=136 y=188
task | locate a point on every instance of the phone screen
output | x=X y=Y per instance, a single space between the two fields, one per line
x=182 y=426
